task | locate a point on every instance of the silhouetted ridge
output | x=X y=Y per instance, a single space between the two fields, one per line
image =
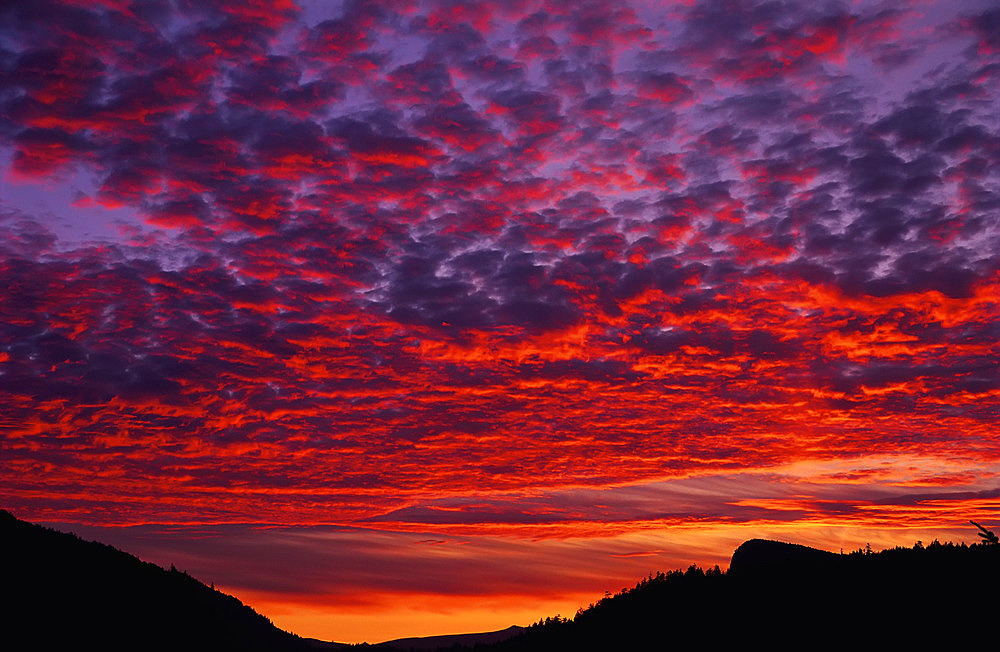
x=784 y=596
x=450 y=640
x=66 y=593
x=69 y=594
x=763 y=556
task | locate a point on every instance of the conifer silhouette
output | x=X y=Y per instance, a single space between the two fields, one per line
x=989 y=537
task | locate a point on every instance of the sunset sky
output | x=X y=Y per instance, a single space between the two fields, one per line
x=406 y=318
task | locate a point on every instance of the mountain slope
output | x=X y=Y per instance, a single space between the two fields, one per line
x=782 y=596
x=447 y=641
x=66 y=593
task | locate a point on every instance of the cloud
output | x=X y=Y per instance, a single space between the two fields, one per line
x=387 y=264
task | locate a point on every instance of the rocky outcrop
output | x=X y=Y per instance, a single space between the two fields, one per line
x=763 y=556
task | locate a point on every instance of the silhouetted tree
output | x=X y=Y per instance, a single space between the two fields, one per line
x=989 y=537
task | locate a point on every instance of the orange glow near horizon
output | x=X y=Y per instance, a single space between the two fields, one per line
x=377 y=617
x=393 y=579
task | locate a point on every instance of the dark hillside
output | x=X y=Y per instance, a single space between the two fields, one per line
x=782 y=596
x=460 y=641
x=763 y=556
x=65 y=593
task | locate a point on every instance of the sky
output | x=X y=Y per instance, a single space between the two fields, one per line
x=407 y=318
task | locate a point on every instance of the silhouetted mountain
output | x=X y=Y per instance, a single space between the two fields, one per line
x=64 y=593
x=783 y=596
x=450 y=640
x=762 y=556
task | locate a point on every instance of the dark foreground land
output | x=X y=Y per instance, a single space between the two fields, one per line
x=780 y=596
x=68 y=594
x=63 y=593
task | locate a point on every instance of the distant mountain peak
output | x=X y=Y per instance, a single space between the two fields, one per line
x=450 y=640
